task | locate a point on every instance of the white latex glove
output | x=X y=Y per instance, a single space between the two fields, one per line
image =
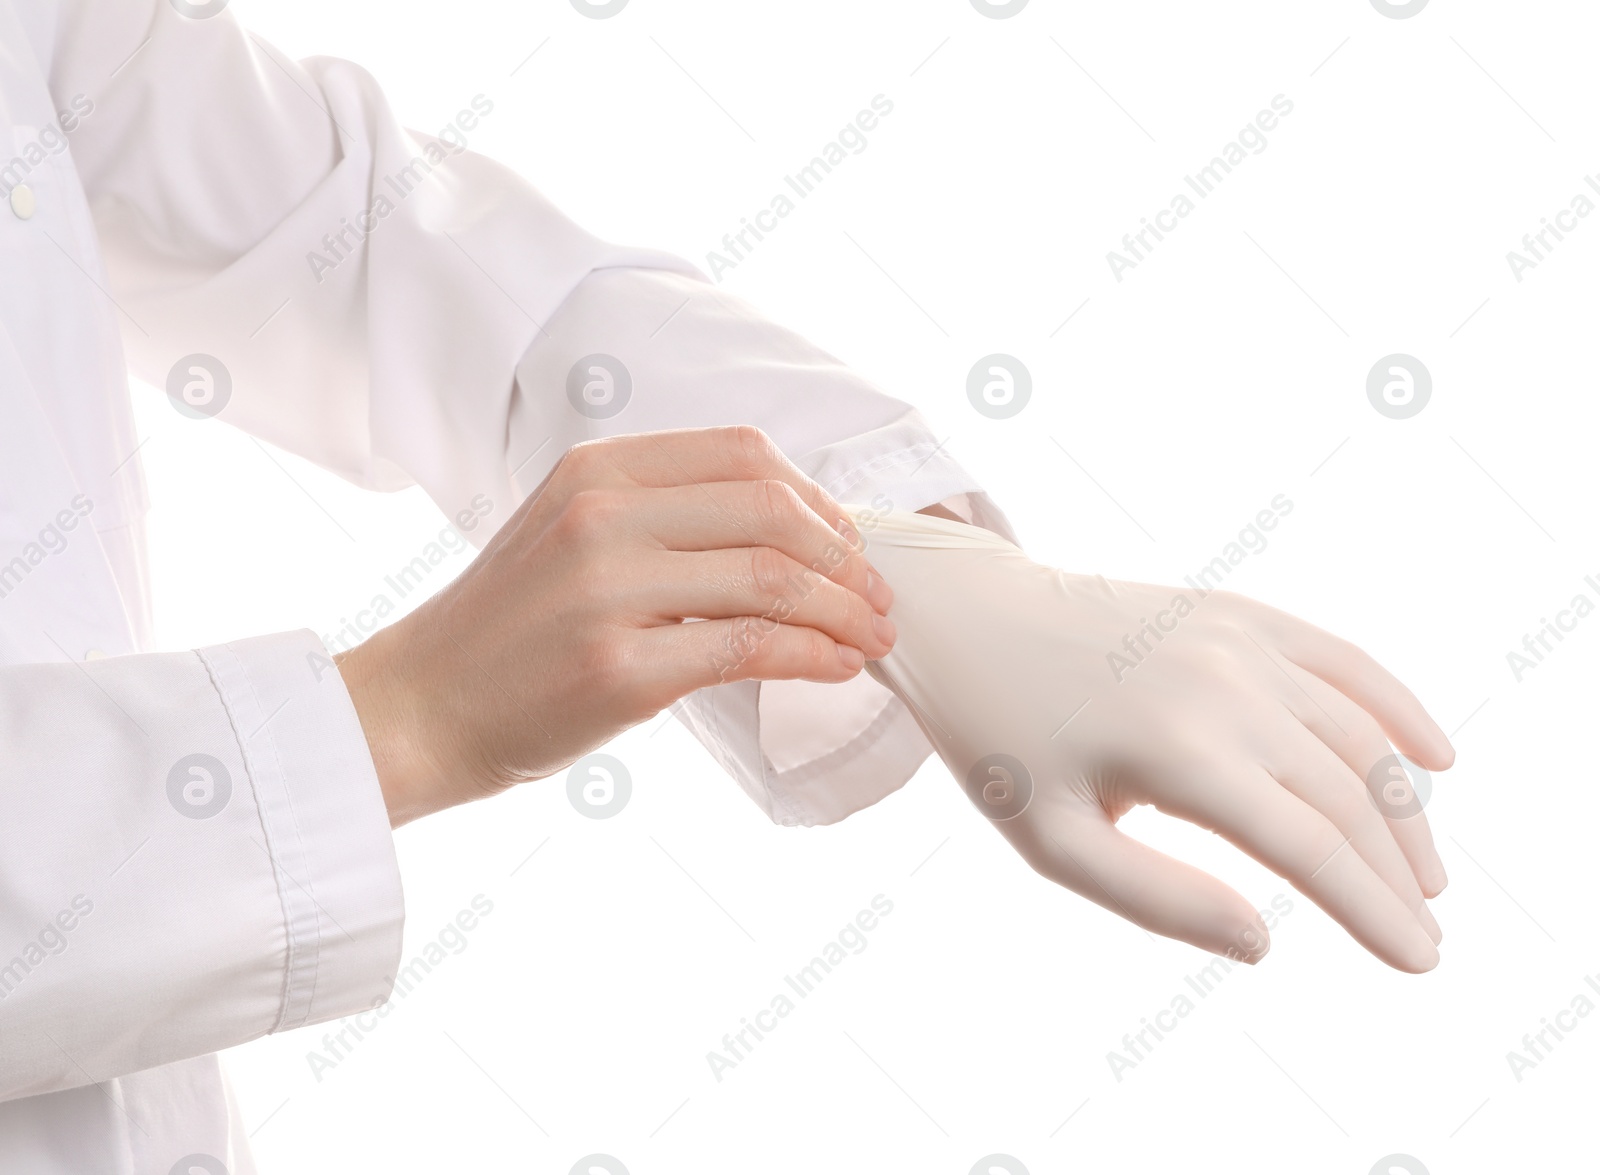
x=1239 y=718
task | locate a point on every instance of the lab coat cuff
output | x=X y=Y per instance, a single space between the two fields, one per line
x=902 y=466
x=323 y=822
x=873 y=765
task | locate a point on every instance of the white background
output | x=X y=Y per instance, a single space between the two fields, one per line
x=1228 y=367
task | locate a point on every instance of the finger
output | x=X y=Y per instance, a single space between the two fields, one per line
x=764 y=583
x=694 y=456
x=686 y=657
x=1350 y=732
x=1089 y=855
x=1253 y=810
x=749 y=514
x=1356 y=675
x=1310 y=769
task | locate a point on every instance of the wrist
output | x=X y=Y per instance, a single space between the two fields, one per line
x=939 y=510
x=395 y=724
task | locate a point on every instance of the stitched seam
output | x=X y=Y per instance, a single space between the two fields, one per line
x=266 y=835
x=309 y=884
x=730 y=760
x=843 y=483
x=842 y=755
x=849 y=755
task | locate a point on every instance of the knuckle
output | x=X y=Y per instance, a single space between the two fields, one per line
x=839 y=562
x=606 y=662
x=1232 y=601
x=817 y=654
x=852 y=613
x=1216 y=656
x=747 y=645
x=777 y=506
x=589 y=513
x=615 y=670
x=752 y=449
x=580 y=461
x=745 y=635
x=860 y=616
x=769 y=573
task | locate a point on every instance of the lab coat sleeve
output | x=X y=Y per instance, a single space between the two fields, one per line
x=404 y=311
x=212 y=864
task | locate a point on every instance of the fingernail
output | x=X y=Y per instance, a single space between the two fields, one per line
x=1430 y=923
x=883 y=628
x=851 y=657
x=849 y=532
x=879 y=594
x=1423 y=959
x=1432 y=877
x=1436 y=882
x=1252 y=944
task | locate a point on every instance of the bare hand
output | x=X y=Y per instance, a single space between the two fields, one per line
x=569 y=627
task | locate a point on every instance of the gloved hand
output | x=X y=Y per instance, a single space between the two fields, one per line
x=1061 y=701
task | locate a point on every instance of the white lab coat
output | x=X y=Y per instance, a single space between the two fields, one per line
x=164 y=180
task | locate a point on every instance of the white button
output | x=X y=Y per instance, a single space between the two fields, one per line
x=22 y=201
x=94 y=655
